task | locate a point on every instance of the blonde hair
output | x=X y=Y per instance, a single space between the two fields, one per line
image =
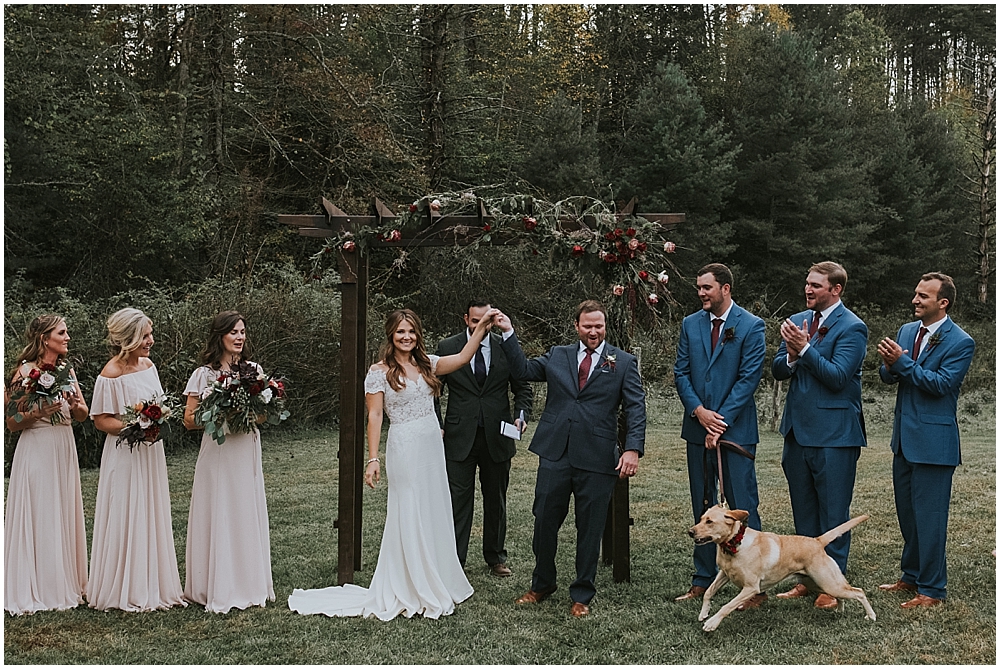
x=125 y=328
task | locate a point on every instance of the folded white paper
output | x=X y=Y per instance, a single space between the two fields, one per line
x=510 y=430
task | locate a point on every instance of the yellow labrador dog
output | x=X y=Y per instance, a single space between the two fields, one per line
x=756 y=561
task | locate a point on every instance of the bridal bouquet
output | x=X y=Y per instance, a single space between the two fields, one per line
x=45 y=383
x=144 y=420
x=240 y=400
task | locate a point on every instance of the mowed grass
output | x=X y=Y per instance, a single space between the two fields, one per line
x=630 y=623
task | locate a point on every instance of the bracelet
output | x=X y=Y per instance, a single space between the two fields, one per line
x=371 y=461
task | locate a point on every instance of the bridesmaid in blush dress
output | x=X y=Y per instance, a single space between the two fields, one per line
x=45 y=542
x=133 y=566
x=228 y=539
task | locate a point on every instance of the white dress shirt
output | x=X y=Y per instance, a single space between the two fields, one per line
x=594 y=357
x=931 y=329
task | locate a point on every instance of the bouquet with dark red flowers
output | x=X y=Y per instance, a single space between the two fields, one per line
x=241 y=399
x=145 y=420
x=43 y=384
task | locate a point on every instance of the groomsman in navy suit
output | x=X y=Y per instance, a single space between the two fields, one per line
x=821 y=353
x=576 y=442
x=720 y=359
x=925 y=445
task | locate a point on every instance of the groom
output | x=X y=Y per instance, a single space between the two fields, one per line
x=576 y=442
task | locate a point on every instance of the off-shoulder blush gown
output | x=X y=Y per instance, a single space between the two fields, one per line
x=45 y=542
x=133 y=565
x=418 y=571
x=228 y=561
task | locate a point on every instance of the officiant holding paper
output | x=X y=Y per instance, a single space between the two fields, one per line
x=478 y=402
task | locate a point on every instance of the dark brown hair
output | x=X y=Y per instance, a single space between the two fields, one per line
x=223 y=324
x=721 y=273
x=947 y=291
x=387 y=354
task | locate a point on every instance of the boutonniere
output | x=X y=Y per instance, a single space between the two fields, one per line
x=933 y=341
x=609 y=362
x=822 y=331
x=729 y=335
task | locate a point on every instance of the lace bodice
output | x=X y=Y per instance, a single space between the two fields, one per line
x=413 y=402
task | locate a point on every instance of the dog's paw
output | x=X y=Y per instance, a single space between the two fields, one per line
x=710 y=625
x=871 y=617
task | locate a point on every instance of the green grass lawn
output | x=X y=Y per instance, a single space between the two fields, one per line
x=630 y=623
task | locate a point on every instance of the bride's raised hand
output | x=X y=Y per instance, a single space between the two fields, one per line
x=486 y=322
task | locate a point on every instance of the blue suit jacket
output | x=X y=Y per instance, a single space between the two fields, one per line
x=584 y=421
x=724 y=381
x=927 y=396
x=823 y=405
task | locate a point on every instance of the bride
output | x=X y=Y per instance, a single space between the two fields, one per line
x=418 y=569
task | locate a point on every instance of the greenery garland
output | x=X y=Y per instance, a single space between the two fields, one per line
x=629 y=252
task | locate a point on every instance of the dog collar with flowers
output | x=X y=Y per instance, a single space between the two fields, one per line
x=733 y=545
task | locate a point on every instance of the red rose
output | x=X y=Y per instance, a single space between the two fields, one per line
x=34 y=373
x=256 y=388
x=610 y=236
x=618 y=232
x=642 y=247
x=151 y=433
x=47 y=367
x=529 y=223
x=487 y=228
x=577 y=251
x=630 y=232
x=610 y=257
x=643 y=275
x=279 y=388
x=413 y=208
x=152 y=412
x=380 y=237
x=395 y=236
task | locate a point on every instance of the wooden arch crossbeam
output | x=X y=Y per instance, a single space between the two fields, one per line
x=448 y=230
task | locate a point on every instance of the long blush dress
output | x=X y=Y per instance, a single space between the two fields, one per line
x=45 y=541
x=133 y=566
x=418 y=571
x=228 y=539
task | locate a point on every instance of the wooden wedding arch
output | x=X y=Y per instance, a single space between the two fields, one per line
x=435 y=230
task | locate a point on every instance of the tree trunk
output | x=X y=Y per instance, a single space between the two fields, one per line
x=986 y=161
x=433 y=32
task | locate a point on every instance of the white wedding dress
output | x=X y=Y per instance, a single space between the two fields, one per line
x=418 y=569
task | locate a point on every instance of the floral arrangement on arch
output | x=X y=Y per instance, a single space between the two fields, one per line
x=628 y=251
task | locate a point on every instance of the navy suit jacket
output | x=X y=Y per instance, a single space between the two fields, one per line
x=725 y=381
x=584 y=422
x=927 y=397
x=823 y=405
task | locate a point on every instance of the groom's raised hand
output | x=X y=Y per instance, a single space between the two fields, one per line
x=502 y=321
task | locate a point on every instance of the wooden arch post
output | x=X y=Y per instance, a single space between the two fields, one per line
x=440 y=231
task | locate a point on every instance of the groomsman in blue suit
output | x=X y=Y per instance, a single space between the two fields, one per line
x=576 y=442
x=925 y=442
x=720 y=359
x=821 y=353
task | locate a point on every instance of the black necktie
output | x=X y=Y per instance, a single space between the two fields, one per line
x=479 y=366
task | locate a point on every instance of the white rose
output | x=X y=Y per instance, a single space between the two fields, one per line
x=46 y=380
x=663 y=277
x=144 y=422
x=653 y=298
x=266 y=395
x=206 y=392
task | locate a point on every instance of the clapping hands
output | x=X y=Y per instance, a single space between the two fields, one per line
x=795 y=337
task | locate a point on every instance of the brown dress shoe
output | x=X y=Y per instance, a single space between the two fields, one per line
x=826 y=602
x=579 y=610
x=532 y=597
x=798 y=591
x=501 y=570
x=696 y=592
x=921 y=600
x=898 y=586
x=753 y=602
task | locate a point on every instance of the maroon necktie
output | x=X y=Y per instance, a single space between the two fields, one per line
x=585 y=367
x=716 y=326
x=815 y=324
x=920 y=339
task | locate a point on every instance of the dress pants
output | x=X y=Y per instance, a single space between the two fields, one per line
x=493 y=480
x=821 y=485
x=556 y=481
x=923 y=495
x=740 y=479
